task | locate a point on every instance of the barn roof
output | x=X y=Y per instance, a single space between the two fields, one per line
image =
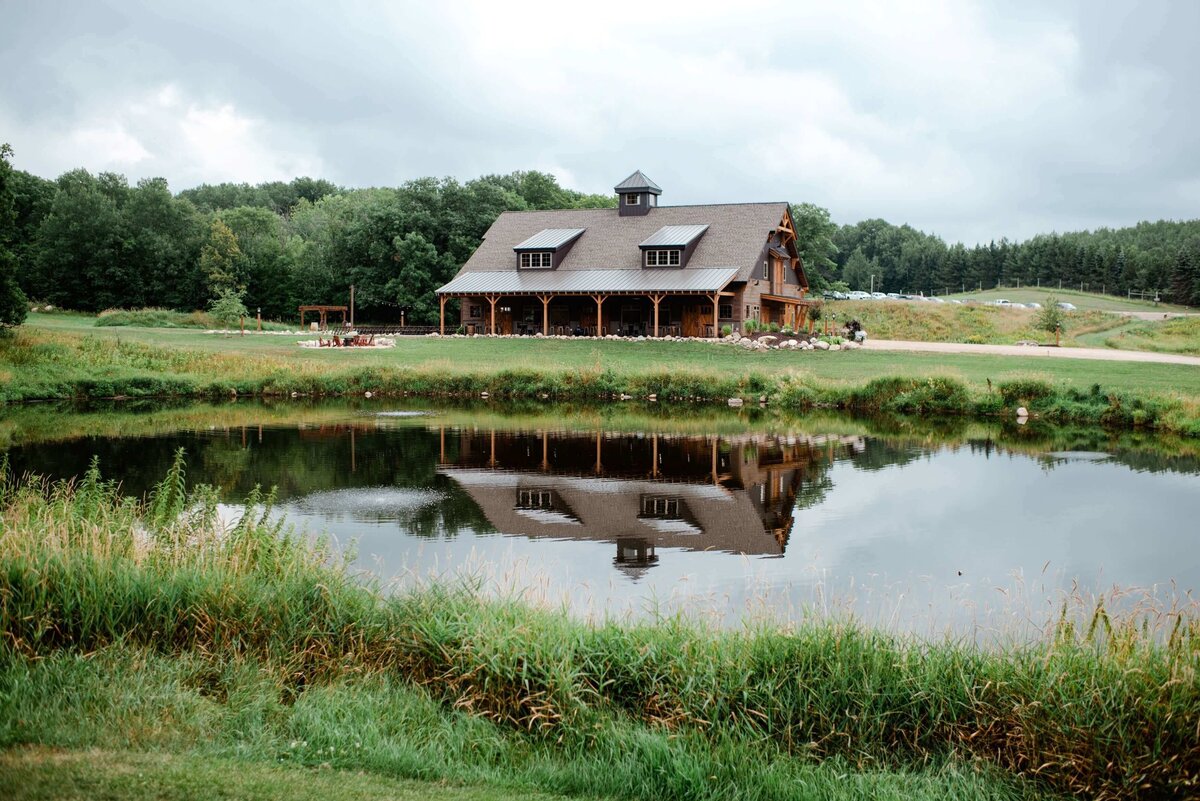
x=735 y=240
x=588 y=281
x=638 y=182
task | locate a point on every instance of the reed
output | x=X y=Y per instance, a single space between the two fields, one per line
x=1103 y=706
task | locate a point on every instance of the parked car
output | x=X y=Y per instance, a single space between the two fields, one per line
x=1033 y=305
x=1017 y=306
x=878 y=296
x=857 y=295
x=959 y=302
x=1066 y=306
x=1001 y=302
x=893 y=296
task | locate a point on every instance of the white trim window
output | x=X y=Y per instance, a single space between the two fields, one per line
x=633 y=199
x=537 y=260
x=662 y=258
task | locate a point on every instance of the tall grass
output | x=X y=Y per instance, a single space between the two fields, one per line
x=1101 y=707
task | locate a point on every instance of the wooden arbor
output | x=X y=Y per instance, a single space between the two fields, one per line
x=323 y=311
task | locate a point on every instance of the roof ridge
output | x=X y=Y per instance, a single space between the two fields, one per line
x=656 y=208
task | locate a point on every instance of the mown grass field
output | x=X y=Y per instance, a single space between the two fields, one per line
x=145 y=630
x=63 y=357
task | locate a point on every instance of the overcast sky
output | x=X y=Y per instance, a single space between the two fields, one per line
x=970 y=120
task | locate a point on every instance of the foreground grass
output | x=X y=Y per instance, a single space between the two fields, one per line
x=142 y=626
x=43 y=774
x=59 y=363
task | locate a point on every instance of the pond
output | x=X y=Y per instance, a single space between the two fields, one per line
x=728 y=515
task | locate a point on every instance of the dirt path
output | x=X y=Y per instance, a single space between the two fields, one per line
x=1102 y=354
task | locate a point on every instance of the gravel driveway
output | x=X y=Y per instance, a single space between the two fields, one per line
x=1033 y=352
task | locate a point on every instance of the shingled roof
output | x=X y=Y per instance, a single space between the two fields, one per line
x=736 y=237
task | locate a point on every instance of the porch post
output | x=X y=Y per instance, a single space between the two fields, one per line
x=656 y=299
x=492 y=300
x=716 y=299
x=599 y=313
x=441 y=315
x=545 y=299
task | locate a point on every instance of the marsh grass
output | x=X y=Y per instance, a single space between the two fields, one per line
x=269 y=620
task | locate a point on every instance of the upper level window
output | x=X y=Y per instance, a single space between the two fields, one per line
x=633 y=199
x=662 y=258
x=537 y=259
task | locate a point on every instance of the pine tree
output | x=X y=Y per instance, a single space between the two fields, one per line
x=13 y=305
x=1185 y=275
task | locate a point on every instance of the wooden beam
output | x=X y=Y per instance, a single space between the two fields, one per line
x=656 y=299
x=492 y=300
x=716 y=299
x=545 y=299
x=442 y=315
x=599 y=313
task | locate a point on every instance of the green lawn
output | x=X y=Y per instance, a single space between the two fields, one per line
x=630 y=358
x=46 y=774
x=1084 y=300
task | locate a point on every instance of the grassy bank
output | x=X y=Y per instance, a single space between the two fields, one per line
x=165 y=318
x=141 y=627
x=975 y=325
x=1084 y=300
x=46 y=364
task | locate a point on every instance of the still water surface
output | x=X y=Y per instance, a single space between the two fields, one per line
x=966 y=535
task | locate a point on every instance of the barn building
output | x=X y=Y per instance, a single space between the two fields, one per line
x=640 y=269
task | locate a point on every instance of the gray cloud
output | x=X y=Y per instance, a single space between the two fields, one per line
x=969 y=120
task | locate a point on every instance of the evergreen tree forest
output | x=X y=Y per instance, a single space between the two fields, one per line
x=92 y=242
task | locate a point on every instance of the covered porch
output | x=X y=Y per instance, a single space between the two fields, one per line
x=651 y=303
x=786 y=311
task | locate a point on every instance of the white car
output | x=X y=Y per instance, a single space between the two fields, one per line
x=1066 y=306
x=878 y=296
x=1001 y=302
x=859 y=295
x=1034 y=305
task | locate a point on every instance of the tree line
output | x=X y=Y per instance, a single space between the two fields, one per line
x=93 y=241
x=1153 y=257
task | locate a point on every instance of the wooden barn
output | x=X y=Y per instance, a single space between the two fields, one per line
x=640 y=269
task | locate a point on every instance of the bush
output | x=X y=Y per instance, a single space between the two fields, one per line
x=751 y=326
x=726 y=330
x=773 y=328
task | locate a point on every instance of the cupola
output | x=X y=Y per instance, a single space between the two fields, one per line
x=636 y=195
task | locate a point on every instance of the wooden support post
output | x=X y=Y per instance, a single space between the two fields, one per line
x=654 y=455
x=351 y=308
x=656 y=299
x=599 y=466
x=716 y=299
x=492 y=460
x=599 y=313
x=260 y=319
x=492 y=300
x=441 y=445
x=545 y=453
x=441 y=315
x=545 y=299
x=714 y=461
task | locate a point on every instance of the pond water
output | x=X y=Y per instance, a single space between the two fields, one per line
x=974 y=530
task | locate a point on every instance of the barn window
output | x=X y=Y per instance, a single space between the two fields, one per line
x=662 y=258
x=726 y=311
x=537 y=260
x=633 y=199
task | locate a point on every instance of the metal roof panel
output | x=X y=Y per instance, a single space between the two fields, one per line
x=638 y=181
x=550 y=239
x=674 y=236
x=584 y=281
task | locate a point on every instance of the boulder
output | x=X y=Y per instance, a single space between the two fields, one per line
x=748 y=344
x=1022 y=411
x=821 y=344
x=735 y=402
x=768 y=339
x=835 y=346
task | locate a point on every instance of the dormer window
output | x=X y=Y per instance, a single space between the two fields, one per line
x=537 y=260
x=633 y=199
x=663 y=258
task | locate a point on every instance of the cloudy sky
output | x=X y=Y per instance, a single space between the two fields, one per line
x=971 y=120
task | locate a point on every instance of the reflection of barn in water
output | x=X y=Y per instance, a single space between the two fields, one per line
x=636 y=491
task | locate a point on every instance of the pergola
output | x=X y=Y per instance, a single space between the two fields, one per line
x=323 y=311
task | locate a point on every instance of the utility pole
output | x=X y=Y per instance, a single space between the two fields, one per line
x=260 y=318
x=872 y=280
